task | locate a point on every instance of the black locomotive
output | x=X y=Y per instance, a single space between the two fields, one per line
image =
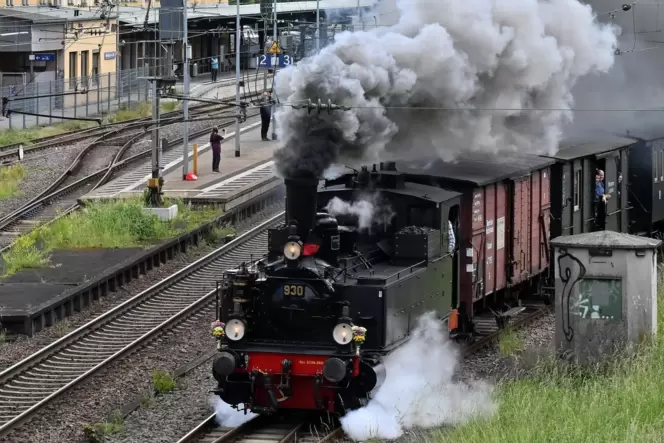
x=308 y=326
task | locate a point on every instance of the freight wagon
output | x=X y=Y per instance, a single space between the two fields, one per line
x=503 y=223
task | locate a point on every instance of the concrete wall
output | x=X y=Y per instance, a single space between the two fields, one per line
x=588 y=338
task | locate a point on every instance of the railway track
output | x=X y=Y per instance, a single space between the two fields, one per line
x=277 y=429
x=266 y=429
x=28 y=386
x=61 y=197
x=9 y=154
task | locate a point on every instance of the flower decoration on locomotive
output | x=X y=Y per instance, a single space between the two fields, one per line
x=359 y=334
x=218 y=329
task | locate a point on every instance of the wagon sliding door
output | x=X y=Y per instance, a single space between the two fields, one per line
x=520 y=250
x=530 y=225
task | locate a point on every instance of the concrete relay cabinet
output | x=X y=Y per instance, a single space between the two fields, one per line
x=606 y=292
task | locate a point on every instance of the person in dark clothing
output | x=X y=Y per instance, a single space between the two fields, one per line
x=266 y=114
x=215 y=142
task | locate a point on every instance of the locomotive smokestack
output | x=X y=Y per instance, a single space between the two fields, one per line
x=301 y=201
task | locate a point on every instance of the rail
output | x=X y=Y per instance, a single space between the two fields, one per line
x=75 y=357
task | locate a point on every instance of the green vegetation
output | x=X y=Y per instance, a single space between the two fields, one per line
x=619 y=400
x=118 y=224
x=25 y=136
x=510 y=342
x=97 y=432
x=162 y=382
x=10 y=178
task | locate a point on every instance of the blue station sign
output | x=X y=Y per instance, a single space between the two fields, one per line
x=45 y=57
x=269 y=61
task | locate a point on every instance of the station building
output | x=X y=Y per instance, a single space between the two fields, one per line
x=211 y=29
x=47 y=44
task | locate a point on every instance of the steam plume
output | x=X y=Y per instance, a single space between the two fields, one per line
x=483 y=61
x=368 y=208
x=418 y=390
x=227 y=416
x=363 y=209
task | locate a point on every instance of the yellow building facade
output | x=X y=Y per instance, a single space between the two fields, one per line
x=90 y=48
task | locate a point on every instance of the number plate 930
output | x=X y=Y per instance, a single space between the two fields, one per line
x=294 y=290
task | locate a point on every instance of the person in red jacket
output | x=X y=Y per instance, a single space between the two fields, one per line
x=215 y=142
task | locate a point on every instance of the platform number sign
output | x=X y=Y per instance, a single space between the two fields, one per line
x=269 y=61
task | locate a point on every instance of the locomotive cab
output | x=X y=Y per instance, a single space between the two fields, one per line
x=307 y=327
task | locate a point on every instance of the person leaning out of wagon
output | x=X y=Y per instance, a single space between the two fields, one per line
x=600 y=194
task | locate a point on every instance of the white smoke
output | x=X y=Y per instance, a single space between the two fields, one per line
x=419 y=391
x=227 y=416
x=362 y=209
x=448 y=77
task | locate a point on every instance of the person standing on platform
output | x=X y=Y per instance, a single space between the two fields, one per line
x=266 y=114
x=215 y=142
x=215 y=68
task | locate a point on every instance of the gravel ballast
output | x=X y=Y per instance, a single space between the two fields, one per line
x=121 y=382
x=41 y=170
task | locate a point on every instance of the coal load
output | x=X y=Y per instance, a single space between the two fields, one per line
x=416 y=243
x=416 y=230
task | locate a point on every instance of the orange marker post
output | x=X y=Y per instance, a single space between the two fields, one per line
x=196 y=158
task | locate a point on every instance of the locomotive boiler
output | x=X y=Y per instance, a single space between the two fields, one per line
x=308 y=326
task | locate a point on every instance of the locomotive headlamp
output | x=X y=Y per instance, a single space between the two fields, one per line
x=342 y=333
x=292 y=250
x=235 y=329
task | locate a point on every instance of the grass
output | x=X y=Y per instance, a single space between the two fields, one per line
x=162 y=382
x=25 y=136
x=510 y=343
x=97 y=432
x=10 y=179
x=620 y=400
x=118 y=224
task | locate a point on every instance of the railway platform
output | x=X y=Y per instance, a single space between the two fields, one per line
x=241 y=178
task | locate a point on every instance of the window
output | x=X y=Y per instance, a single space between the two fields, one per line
x=72 y=69
x=577 y=190
x=85 y=69
x=600 y=298
x=654 y=167
x=95 y=67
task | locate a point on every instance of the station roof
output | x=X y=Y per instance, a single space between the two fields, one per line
x=45 y=14
x=576 y=148
x=476 y=170
x=606 y=239
x=136 y=15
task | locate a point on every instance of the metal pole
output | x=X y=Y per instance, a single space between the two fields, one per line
x=359 y=13
x=155 y=129
x=317 y=25
x=274 y=105
x=237 y=78
x=185 y=104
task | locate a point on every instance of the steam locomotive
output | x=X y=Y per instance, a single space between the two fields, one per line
x=309 y=326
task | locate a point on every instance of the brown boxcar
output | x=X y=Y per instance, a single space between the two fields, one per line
x=503 y=220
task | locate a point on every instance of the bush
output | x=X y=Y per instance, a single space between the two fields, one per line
x=10 y=178
x=162 y=382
